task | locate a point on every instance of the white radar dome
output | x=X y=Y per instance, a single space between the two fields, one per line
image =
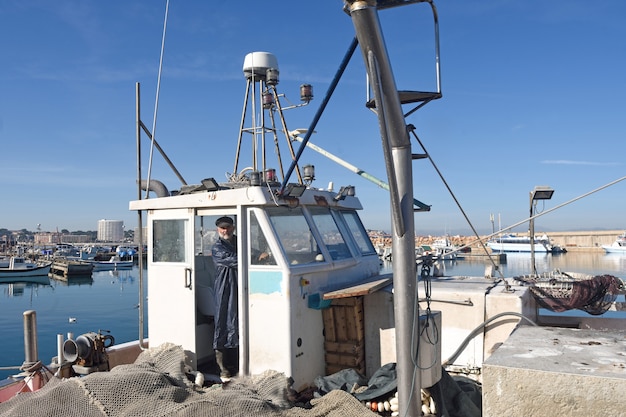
x=258 y=63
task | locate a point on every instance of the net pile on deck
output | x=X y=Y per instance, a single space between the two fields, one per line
x=156 y=385
x=561 y=291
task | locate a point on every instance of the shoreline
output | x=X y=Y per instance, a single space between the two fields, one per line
x=578 y=241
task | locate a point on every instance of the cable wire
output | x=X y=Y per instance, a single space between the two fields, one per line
x=478 y=329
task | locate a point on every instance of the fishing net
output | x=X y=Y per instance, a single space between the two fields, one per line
x=561 y=291
x=156 y=385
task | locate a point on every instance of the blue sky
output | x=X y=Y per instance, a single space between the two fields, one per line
x=533 y=94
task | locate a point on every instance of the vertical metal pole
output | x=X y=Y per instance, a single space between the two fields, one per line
x=139 y=214
x=31 y=354
x=398 y=158
x=244 y=295
x=60 y=341
x=531 y=233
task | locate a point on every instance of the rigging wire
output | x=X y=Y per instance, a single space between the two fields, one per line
x=411 y=128
x=156 y=101
x=481 y=239
x=543 y=212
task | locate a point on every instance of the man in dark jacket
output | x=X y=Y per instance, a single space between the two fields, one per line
x=226 y=339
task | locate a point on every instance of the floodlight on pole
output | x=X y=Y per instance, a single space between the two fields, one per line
x=540 y=192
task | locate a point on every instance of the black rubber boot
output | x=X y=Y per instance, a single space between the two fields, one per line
x=221 y=357
x=231 y=361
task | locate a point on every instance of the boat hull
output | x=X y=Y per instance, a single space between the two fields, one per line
x=614 y=249
x=516 y=247
x=7 y=274
x=112 y=266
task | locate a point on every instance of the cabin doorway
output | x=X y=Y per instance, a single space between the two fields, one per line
x=205 y=236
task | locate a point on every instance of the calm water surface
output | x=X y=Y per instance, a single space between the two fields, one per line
x=109 y=300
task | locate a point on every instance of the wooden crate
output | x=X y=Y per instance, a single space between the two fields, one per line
x=344 y=335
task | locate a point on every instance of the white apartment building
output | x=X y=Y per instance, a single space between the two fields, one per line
x=110 y=230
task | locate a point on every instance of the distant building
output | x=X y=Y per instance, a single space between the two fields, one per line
x=51 y=238
x=69 y=238
x=144 y=235
x=110 y=230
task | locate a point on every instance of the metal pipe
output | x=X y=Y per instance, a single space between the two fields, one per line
x=399 y=169
x=31 y=354
x=320 y=110
x=244 y=303
x=163 y=154
x=139 y=214
x=156 y=186
x=243 y=120
x=60 y=342
x=382 y=184
x=531 y=233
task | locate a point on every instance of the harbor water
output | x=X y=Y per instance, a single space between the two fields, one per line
x=108 y=300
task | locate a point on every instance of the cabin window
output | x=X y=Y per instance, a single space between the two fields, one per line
x=205 y=234
x=295 y=236
x=332 y=237
x=168 y=240
x=258 y=244
x=359 y=233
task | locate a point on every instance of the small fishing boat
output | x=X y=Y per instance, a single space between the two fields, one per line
x=19 y=266
x=445 y=250
x=619 y=246
x=113 y=263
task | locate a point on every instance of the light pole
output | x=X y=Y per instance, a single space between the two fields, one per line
x=541 y=192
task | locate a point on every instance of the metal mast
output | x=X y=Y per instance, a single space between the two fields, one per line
x=398 y=159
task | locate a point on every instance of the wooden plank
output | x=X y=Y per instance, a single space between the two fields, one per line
x=345 y=302
x=351 y=322
x=341 y=328
x=333 y=369
x=359 y=326
x=356 y=290
x=351 y=347
x=329 y=324
x=343 y=360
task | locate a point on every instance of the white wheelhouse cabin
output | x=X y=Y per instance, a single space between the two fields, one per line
x=316 y=241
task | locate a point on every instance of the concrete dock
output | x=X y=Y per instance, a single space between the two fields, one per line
x=62 y=268
x=549 y=371
x=576 y=241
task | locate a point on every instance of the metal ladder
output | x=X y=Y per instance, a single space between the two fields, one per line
x=416 y=98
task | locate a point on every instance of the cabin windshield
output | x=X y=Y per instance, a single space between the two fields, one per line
x=358 y=232
x=332 y=237
x=295 y=235
x=258 y=243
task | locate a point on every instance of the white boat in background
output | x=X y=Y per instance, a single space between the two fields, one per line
x=444 y=249
x=114 y=263
x=514 y=243
x=619 y=246
x=18 y=266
